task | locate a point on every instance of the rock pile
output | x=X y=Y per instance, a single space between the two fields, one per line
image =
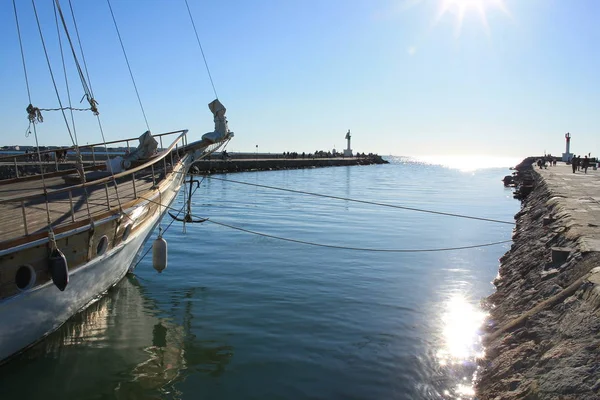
x=543 y=334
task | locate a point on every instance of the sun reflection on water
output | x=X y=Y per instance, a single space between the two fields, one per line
x=470 y=163
x=462 y=345
x=463 y=163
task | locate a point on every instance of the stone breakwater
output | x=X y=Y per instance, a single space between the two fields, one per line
x=210 y=166
x=236 y=164
x=543 y=336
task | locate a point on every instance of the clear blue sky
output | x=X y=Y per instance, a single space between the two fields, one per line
x=295 y=75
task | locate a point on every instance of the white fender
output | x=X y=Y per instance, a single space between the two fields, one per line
x=159 y=254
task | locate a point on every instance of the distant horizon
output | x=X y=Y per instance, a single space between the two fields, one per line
x=338 y=151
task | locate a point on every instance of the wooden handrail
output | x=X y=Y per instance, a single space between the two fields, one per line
x=106 y=179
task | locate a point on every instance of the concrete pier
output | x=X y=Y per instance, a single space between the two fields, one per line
x=544 y=326
x=578 y=197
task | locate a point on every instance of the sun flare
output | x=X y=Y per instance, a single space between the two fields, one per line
x=462 y=7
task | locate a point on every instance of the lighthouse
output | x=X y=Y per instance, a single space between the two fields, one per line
x=567 y=154
x=348 y=150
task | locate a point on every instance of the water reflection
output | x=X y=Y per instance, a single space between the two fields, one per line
x=461 y=331
x=464 y=163
x=119 y=347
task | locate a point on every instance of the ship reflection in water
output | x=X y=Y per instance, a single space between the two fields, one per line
x=119 y=347
x=461 y=332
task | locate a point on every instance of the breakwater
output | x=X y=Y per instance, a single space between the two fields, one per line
x=237 y=163
x=542 y=337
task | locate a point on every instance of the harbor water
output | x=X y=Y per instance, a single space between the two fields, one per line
x=346 y=309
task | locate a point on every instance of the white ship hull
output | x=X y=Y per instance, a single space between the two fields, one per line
x=33 y=314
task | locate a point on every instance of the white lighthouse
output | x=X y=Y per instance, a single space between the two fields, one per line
x=567 y=154
x=348 y=150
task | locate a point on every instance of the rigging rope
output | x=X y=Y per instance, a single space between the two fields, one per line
x=62 y=57
x=367 y=202
x=81 y=48
x=128 y=65
x=33 y=113
x=22 y=54
x=63 y=108
x=51 y=72
x=201 y=50
x=88 y=93
x=39 y=116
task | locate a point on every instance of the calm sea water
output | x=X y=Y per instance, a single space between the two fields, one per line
x=237 y=315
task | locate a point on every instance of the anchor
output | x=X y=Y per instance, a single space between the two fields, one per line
x=188 y=213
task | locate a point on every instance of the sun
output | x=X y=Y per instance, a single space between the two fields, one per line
x=462 y=4
x=461 y=7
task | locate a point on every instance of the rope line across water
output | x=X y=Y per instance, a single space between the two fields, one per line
x=366 y=202
x=359 y=248
x=335 y=246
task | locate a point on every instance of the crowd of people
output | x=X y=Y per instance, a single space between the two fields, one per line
x=320 y=154
x=580 y=164
x=545 y=161
x=224 y=155
x=577 y=162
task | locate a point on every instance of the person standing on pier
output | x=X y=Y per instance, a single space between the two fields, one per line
x=586 y=164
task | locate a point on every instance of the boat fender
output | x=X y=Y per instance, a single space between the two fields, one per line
x=159 y=254
x=59 y=270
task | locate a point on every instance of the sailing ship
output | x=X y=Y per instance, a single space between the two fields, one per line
x=70 y=231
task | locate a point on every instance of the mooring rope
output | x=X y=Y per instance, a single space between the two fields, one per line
x=331 y=246
x=366 y=201
x=340 y=247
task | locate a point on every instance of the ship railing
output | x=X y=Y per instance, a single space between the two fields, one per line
x=69 y=204
x=93 y=155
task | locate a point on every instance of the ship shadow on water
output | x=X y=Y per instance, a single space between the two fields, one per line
x=121 y=346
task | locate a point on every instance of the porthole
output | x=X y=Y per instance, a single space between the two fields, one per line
x=25 y=277
x=126 y=232
x=102 y=245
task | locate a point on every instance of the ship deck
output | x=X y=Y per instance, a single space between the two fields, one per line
x=22 y=202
